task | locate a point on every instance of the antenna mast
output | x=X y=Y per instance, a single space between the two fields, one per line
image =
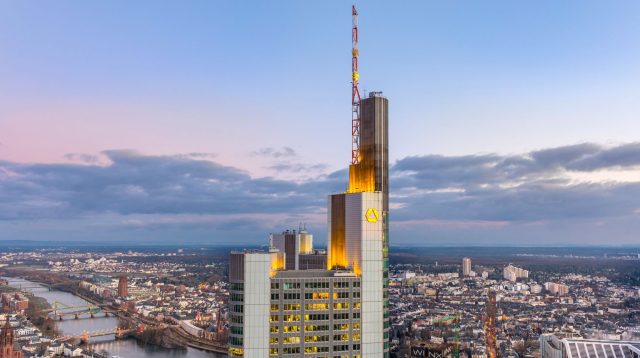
x=355 y=91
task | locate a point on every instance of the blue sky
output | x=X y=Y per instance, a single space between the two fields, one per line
x=261 y=90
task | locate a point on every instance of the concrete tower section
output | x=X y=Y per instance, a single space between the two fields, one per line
x=364 y=234
x=249 y=305
x=356 y=232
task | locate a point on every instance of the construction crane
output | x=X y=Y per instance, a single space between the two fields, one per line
x=355 y=91
x=455 y=321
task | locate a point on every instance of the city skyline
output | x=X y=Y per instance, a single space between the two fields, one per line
x=215 y=154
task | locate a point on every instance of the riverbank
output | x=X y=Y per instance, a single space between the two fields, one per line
x=54 y=281
x=190 y=341
x=36 y=312
x=128 y=348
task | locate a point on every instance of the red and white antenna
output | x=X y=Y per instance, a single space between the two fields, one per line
x=355 y=91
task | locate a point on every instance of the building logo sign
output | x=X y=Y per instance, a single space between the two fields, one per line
x=426 y=352
x=372 y=215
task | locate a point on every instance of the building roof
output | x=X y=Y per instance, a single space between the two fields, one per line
x=588 y=348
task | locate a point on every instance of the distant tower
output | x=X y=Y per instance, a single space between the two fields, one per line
x=6 y=342
x=6 y=308
x=466 y=266
x=123 y=287
x=490 y=326
x=220 y=329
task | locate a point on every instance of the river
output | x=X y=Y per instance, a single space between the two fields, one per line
x=128 y=348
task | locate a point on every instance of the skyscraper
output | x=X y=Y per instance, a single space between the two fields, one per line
x=279 y=308
x=123 y=287
x=466 y=266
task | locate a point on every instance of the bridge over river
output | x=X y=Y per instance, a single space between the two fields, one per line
x=86 y=336
x=60 y=310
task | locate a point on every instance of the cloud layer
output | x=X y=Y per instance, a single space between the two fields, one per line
x=550 y=184
x=586 y=193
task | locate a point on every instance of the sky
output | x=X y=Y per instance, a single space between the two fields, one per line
x=511 y=123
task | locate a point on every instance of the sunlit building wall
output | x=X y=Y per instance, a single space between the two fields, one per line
x=556 y=288
x=249 y=304
x=361 y=251
x=512 y=273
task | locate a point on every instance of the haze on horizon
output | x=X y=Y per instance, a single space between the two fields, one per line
x=219 y=122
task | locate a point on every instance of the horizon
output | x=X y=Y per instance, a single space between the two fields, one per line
x=191 y=125
x=193 y=245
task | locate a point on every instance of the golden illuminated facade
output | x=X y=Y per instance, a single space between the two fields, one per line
x=371 y=173
x=337 y=248
x=281 y=308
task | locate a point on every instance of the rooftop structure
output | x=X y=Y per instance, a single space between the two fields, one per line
x=557 y=346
